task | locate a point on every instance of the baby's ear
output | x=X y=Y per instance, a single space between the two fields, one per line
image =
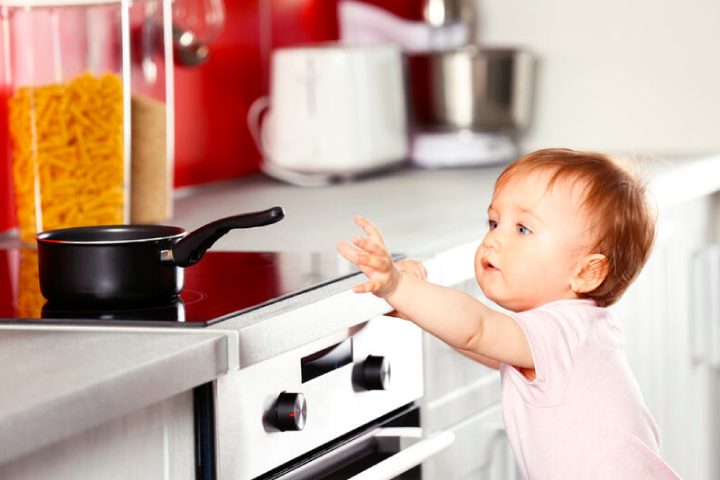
x=589 y=273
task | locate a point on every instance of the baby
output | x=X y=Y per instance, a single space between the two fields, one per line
x=568 y=233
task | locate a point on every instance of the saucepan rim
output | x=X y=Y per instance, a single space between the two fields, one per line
x=144 y=234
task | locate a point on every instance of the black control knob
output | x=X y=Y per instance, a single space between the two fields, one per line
x=291 y=411
x=376 y=373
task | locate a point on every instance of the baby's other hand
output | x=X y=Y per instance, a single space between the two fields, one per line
x=373 y=259
x=412 y=267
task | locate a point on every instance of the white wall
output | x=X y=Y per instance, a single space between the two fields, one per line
x=630 y=76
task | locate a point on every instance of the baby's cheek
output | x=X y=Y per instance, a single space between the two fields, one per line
x=491 y=291
x=478 y=260
x=479 y=272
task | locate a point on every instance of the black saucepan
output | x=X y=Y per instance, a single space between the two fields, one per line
x=121 y=264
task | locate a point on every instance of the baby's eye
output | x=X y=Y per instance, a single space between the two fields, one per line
x=493 y=224
x=523 y=230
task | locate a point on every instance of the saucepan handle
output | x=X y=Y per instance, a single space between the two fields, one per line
x=191 y=248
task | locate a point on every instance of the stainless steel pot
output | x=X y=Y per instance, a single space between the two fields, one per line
x=471 y=88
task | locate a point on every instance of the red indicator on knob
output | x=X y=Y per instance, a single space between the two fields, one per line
x=291 y=411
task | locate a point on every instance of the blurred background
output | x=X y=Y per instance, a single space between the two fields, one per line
x=632 y=77
x=635 y=77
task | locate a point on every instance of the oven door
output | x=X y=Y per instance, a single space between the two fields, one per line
x=382 y=453
x=391 y=447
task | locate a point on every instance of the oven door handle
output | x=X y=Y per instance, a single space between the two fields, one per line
x=409 y=457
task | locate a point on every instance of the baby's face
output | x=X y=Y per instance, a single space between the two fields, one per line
x=536 y=237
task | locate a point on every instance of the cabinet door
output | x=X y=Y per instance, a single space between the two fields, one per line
x=455 y=386
x=462 y=395
x=645 y=314
x=157 y=442
x=689 y=427
x=481 y=451
x=667 y=315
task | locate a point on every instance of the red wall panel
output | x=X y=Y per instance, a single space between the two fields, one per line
x=7 y=204
x=211 y=138
x=212 y=101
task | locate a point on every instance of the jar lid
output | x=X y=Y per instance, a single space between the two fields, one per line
x=54 y=3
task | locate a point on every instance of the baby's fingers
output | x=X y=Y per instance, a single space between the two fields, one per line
x=372 y=231
x=367 y=287
x=349 y=253
x=375 y=262
x=371 y=247
x=362 y=259
x=354 y=255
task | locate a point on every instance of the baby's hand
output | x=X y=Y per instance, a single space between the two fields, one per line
x=373 y=259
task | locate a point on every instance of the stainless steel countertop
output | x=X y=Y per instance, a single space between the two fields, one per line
x=50 y=377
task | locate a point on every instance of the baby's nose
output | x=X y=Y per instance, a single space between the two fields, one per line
x=492 y=240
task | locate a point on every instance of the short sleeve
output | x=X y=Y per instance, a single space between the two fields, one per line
x=552 y=340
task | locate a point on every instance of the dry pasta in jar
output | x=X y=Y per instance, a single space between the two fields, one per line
x=67 y=150
x=30 y=300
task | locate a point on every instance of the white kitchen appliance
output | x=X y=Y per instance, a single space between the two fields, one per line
x=468 y=104
x=335 y=111
x=463 y=148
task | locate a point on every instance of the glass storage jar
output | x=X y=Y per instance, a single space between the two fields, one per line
x=89 y=97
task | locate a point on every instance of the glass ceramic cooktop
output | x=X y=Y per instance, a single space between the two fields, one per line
x=220 y=286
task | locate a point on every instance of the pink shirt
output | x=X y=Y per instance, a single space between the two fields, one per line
x=583 y=417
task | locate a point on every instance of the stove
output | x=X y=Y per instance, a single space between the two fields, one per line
x=337 y=404
x=221 y=286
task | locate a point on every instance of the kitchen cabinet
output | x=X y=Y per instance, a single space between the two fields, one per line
x=153 y=443
x=670 y=317
x=481 y=451
x=462 y=395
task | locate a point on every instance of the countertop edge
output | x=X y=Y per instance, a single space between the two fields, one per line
x=55 y=418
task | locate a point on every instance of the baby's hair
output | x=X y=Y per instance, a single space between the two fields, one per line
x=617 y=205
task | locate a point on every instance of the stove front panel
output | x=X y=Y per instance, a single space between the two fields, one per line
x=334 y=395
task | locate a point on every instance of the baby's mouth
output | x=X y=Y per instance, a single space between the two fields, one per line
x=487 y=265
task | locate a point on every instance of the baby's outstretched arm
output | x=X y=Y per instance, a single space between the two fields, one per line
x=458 y=319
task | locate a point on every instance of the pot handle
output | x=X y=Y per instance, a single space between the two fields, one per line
x=191 y=248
